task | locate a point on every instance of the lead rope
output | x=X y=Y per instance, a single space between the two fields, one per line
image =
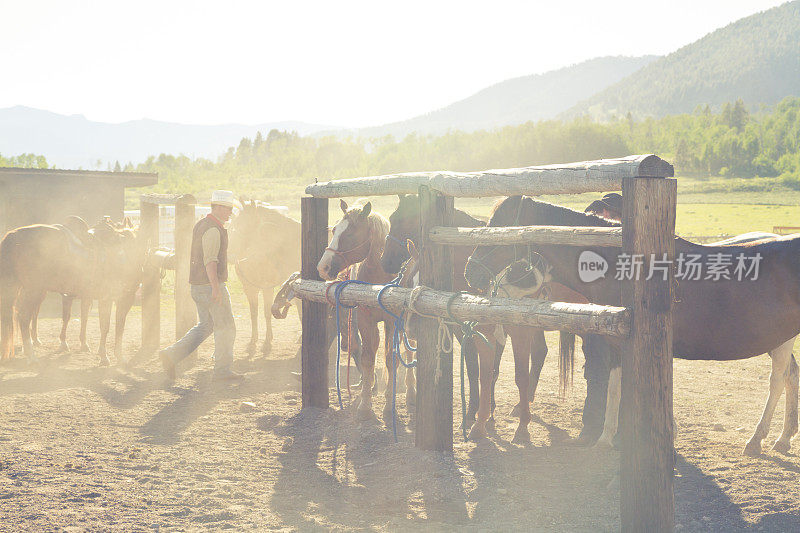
x=469 y=333
x=337 y=292
x=398 y=337
x=349 y=338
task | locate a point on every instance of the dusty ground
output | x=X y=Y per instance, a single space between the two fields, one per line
x=83 y=447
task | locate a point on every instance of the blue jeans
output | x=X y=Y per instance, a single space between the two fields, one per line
x=214 y=317
x=597 y=353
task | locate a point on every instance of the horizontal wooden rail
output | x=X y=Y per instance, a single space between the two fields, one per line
x=167 y=199
x=569 y=235
x=587 y=176
x=576 y=318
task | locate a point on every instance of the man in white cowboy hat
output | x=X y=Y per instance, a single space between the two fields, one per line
x=208 y=273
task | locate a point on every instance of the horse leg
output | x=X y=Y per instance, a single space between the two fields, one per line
x=369 y=347
x=611 y=422
x=521 y=343
x=104 y=310
x=538 y=354
x=471 y=360
x=486 y=355
x=783 y=444
x=124 y=305
x=777 y=380
x=86 y=306
x=411 y=382
x=26 y=305
x=252 y=299
x=498 y=355
x=391 y=370
x=266 y=348
x=66 y=309
x=35 y=322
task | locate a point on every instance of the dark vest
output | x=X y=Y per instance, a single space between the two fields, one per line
x=197 y=270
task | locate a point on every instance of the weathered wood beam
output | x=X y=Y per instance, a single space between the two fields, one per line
x=576 y=318
x=167 y=199
x=647 y=501
x=314 y=318
x=434 y=423
x=151 y=283
x=586 y=176
x=569 y=235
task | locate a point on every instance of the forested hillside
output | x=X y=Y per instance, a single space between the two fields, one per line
x=731 y=142
x=756 y=59
x=519 y=100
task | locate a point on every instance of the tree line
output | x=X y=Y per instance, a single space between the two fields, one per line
x=732 y=142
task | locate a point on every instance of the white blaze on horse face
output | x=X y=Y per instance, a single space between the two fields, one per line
x=324 y=265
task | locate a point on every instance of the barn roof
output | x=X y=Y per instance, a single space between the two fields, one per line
x=128 y=179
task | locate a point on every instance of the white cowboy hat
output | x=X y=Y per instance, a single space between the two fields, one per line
x=225 y=198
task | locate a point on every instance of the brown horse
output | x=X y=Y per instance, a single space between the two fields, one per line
x=40 y=258
x=79 y=230
x=266 y=246
x=714 y=318
x=358 y=238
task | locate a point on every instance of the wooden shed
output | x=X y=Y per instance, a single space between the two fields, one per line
x=48 y=196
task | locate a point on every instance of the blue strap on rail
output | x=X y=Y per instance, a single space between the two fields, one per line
x=398 y=337
x=337 y=292
x=398 y=334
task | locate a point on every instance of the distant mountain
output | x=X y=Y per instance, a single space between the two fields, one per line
x=756 y=58
x=73 y=141
x=519 y=100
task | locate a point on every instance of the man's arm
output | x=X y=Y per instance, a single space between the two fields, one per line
x=211 y=245
x=211 y=270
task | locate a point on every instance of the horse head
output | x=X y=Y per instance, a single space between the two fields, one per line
x=244 y=227
x=523 y=269
x=353 y=239
x=120 y=254
x=403 y=226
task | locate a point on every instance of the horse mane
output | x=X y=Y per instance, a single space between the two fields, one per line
x=378 y=230
x=377 y=223
x=462 y=219
x=556 y=215
x=565 y=216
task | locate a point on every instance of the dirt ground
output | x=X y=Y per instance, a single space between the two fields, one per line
x=90 y=448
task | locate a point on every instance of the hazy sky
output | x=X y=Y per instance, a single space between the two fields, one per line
x=343 y=63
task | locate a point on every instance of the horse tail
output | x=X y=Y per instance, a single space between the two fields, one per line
x=566 y=361
x=8 y=294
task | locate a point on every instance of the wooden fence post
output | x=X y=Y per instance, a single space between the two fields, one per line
x=646 y=472
x=435 y=370
x=151 y=283
x=185 y=313
x=314 y=240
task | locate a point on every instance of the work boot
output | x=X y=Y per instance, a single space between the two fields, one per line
x=227 y=376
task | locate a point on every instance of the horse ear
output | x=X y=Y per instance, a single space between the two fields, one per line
x=412 y=249
x=366 y=209
x=343 y=205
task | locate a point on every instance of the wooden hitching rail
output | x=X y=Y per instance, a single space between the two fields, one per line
x=500 y=236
